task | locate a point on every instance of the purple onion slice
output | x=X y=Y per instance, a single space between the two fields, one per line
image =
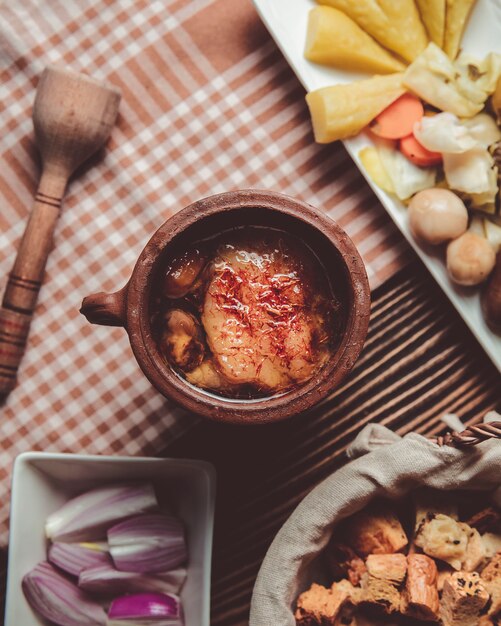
x=60 y=601
x=148 y=544
x=146 y=609
x=106 y=580
x=88 y=516
x=74 y=558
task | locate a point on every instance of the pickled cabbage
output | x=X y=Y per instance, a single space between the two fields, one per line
x=460 y=87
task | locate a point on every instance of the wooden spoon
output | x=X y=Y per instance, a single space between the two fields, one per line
x=73 y=116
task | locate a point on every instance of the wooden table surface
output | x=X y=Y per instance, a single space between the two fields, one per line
x=419 y=361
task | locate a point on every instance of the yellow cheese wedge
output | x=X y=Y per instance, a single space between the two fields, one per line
x=395 y=24
x=433 y=17
x=335 y=39
x=455 y=22
x=342 y=111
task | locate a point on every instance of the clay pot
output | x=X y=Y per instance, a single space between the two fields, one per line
x=130 y=307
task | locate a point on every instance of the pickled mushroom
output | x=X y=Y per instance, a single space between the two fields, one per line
x=181 y=340
x=437 y=215
x=206 y=376
x=470 y=259
x=182 y=273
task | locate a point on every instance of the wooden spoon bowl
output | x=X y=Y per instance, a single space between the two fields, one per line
x=130 y=307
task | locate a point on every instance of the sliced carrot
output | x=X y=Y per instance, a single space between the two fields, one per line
x=397 y=120
x=417 y=153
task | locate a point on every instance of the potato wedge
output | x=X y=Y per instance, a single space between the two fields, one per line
x=335 y=39
x=342 y=111
x=395 y=25
x=433 y=17
x=455 y=22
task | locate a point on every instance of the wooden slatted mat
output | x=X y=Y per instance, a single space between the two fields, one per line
x=419 y=362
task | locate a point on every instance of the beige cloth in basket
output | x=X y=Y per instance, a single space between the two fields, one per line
x=387 y=465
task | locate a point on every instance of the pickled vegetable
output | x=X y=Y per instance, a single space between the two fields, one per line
x=396 y=25
x=335 y=39
x=342 y=111
x=433 y=15
x=456 y=17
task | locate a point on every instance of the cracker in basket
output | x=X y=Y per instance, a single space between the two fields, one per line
x=343 y=562
x=442 y=537
x=381 y=586
x=491 y=543
x=421 y=593
x=463 y=598
x=319 y=605
x=475 y=550
x=491 y=577
x=375 y=530
x=486 y=620
x=486 y=520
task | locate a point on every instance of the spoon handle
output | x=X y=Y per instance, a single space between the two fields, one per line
x=24 y=282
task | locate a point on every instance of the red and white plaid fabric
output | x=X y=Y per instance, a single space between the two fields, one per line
x=209 y=105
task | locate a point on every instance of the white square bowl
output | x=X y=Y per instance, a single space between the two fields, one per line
x=42 y=482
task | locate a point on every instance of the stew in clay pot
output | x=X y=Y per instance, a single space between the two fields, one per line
x=248 y=313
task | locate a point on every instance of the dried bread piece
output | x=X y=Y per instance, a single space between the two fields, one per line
x=486 y=620
x=442 y=537
x=486 y=520
x=421 y=593
x=322 y=606
x=492 y=544
x=380 y=587
x=491 y=577
x=442 y=576
x=463 y=598
x=493 y=569
x=343 y=562
x=475 y=550
x=390 y=567
x=375 y=530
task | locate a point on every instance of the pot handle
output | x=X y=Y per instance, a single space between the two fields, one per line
x=106 y=309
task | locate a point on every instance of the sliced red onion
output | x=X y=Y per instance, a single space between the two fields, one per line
x=59 y=600
x=146 y=609
x=148 y=544
x=86 y=517
x=74 y=558
x=106 y=580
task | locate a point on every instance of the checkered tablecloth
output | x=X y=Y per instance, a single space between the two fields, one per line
x=209 y=105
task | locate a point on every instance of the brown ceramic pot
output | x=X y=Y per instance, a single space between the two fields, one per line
x=129 y=307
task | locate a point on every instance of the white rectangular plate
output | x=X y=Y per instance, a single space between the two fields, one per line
x=286 y=20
